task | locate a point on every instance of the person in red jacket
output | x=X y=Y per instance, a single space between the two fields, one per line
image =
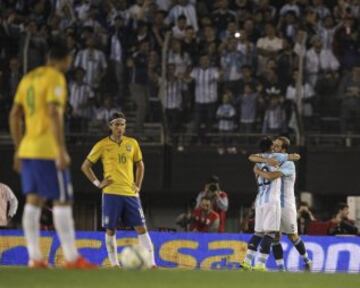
x=204 y=219
x=219 y=199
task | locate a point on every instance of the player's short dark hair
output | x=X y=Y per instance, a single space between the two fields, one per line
x=285 y=142
x=265 y=144
x=58 y=49
x=117 y=115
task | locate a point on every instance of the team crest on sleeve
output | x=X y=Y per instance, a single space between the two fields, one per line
x=58 y=91
x=128 y=147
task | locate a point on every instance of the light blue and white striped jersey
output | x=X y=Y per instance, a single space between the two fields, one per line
x=269 y=191
x=287 y=190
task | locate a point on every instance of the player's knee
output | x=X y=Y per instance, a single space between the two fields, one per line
x=35 y=200
x=140 y=229
x=293 y=237
x=110 y=232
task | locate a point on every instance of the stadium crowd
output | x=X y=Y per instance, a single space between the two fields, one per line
x=232 y=65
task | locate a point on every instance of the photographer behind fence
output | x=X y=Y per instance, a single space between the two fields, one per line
x=204 y=218
x=218 y=198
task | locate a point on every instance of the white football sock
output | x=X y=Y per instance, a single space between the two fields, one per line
x=64 y=225
x=250 y=256
x=145 y=241
x=31 y=226
x=111 y=247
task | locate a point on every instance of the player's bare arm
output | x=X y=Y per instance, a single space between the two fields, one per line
x=139 y=175
x=267 y=175
x=16 y=130
x=56 y=119
x=86 y=168
x=257 y=158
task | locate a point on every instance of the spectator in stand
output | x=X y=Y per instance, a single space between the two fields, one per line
x=206 y=84
x=286 y=61
x=179 y=30
x=268 y=46
x=230 y=31
x=172 y=101
x=288 y=25
x=104 y=112
x=222 y=16
x=326 y=31
x=178 y=57
x=349 y=94
x=8 y=204
x=307 y=94
x=204 y=218
x=347 y=43
x=232 y=61
x=305 y=216
x=138 y=64
x=341 y=224
x=320 y=64
x=219 y=199
x=292 y=6
x=247 y=48
x=190 y=44
x=93 y=61
x=116 y=57
x=248 y=107
x=225 y=115
x=320 y=9
x=274 y=119
x=183 y=7
x=80 y=98
x=209 y=39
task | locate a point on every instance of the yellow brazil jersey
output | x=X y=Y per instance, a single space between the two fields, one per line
x=36 y=90
x=118 y=163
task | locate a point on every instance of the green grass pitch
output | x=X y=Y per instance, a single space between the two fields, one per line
x=109 y=278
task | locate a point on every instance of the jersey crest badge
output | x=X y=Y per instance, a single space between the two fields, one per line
x=128 y=147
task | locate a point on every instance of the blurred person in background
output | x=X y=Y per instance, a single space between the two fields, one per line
x=204 y=218
x=139 y=86
x=305 y=216
x=80 y=99
x=8 y=205
x=248 y=107
x=225 y=115
x=341 y=224
x=274 y=119
x=93 y=61
x=206 y=80
x=219 y=199
x=349 y=94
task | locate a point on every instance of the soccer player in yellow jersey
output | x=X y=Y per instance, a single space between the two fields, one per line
x=121 y=201
x=41 y=156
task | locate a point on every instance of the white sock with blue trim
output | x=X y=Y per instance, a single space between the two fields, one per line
x=111 y=247
x=145 y=241
x=64 y=225
x=31 y=226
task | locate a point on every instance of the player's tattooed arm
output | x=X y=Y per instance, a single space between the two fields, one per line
x=267 y=175
x=257 y=158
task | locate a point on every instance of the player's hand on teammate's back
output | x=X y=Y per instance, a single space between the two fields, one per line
x=256 y=169
x=295 y=157
x=105 y=182
x=272 y=162
x=63 y=160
